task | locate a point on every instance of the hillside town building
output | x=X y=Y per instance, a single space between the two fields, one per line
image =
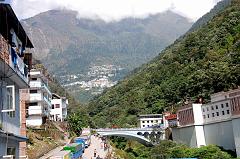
x=39 y=105
x=216 y=122
x=15 y=62
x=59 y=108
x=150 y=120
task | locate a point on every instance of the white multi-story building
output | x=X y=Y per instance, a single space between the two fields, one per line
x=216 y=122
x=150 y=120
x=59 y=108
x=39 y=105
x=14 y=64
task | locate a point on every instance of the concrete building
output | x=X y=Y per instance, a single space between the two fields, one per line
x=39 y=105
x=150 y=120
x=59 y=108
x=216 y=122
x=14 y=64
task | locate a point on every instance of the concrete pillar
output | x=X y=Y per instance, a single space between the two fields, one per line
x=198 y=124
x=236 y=133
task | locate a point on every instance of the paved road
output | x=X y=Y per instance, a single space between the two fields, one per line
x=97 y=144
x=50 y=153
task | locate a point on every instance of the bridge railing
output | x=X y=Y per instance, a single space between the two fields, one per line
x=128 y=129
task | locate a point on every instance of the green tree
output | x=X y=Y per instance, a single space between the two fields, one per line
x=77 y=121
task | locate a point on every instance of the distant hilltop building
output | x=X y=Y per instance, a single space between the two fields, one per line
x=217 y=122
x=59 y=108
x=150 y=120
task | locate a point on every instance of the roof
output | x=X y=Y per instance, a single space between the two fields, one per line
x=8 y=20
x=55 y=96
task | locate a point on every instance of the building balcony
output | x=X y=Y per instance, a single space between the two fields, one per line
x=36 y=97
x=12 y=66
x=40 y=85
x=35 y=110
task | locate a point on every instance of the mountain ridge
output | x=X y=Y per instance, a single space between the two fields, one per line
x=87 y=33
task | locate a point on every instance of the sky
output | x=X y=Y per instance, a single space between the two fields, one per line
x=109 y=10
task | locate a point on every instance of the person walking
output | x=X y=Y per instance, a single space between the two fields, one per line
x=95 y=153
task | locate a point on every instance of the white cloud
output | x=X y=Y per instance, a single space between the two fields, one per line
x=114 y=9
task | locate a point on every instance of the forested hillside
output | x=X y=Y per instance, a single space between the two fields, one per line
x=198 y=64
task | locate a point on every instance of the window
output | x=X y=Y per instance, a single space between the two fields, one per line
x=53 y=108
x=212 y=108
x=226 y=104
x=228 y=112
x=151 y=121
x=222 y=106
x=216 y=106
x=203 y=109
x=147 y=121
x=212 y=114
x=156 y=121
x=204 y=116
x=33 y=79
x=217 y=113
x=57 y=105
x=33 y=91
x=9 y=104
x=208 y=116
x=223 y=113
x=143 y=125
x=11 y=151
x=207 y=109
x=33 y=104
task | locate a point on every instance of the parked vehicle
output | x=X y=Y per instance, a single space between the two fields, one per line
x=86 y=139
x=76 y=150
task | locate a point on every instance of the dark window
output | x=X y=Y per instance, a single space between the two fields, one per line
x=217 y=113
x=33 y=91
x=212 y=114
x=228 y=112
x=143 y=125
x=57 y=105
x=33 y=79
x=52 y=106
x=226 y=104
x=33 y=104
x=147 y=121
x=203 y=109
x=11 y=151
x=208 y=116
x=222 y=105
x=216 y=106
x=223 y=113
x=212 y=108
x=151 y=121
x=204 y=116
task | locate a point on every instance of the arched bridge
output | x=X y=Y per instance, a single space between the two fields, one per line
x=146 y=136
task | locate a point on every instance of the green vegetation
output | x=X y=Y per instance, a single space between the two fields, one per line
x=198 y=64
x=165 y=150
x=77 y=121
